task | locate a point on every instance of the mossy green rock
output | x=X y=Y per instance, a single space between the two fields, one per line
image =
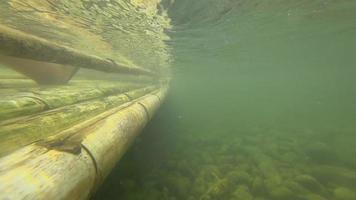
x=342 y=193
x=281 y=193
x=217 y=190
x=240 y=177
x=309 y=183
x=152 y=194
x=258 y=186
x=314 y=197
x=179 y=185
x=259 y=198
x=321 y=153
x=242 y=193
x=295 y=187
x=272 y=182
x=338 y=175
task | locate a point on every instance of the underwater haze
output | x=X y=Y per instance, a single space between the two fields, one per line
x=261 y=106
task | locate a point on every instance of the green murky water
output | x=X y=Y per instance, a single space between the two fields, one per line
x=262 y=106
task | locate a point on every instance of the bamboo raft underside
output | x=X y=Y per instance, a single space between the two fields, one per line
x=60 y=142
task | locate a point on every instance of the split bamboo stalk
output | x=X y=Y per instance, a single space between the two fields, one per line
x=46 y=98
x=41 y=173
x=22 y=131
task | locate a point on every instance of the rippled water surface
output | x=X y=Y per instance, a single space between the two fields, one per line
x=262 y=106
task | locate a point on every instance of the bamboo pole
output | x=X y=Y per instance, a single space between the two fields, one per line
x=11 y=76
x=22 y=131
x=41 y=173
x=15 y=43
x=107 y=150
x=45 y=98
x=17 y=83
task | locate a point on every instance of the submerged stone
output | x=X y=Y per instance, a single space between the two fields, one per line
x=239 y=177
x=342 y=193
x=309 y=182
x=281 y=193
x=296 y=187
x=258 y=187
x=179 y=185
x=321 y=153
x=314 y=197
x=333 y=174
x=242 y=193
x=218 y=190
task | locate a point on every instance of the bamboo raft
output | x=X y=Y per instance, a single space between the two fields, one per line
x=60 y=139
x=61 y=143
